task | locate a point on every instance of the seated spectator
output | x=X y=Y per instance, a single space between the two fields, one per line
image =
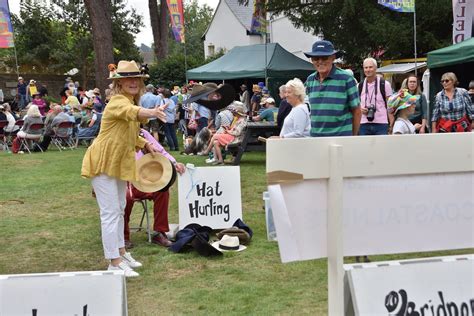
x=269 y=113
x=224 y=118
x=71 y=100
x=33 y=116
x=51 y=123
x=92 y=127
x=40 y=102
x=160 y=200
x=230 y=134
x=298 y=122
x=98 y=103
x=6 y=110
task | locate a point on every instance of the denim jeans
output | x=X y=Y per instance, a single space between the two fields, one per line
x=22 y=101
x=373 y=129
x=171 y=139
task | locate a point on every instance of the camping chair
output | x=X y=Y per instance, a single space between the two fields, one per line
x=3 y=137
x=24 y=140
x=145 y=214
x=9 y=136
x=63 y=136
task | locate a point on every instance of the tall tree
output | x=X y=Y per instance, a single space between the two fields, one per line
x=363 y=27
x=159 y=25
x=101 y=22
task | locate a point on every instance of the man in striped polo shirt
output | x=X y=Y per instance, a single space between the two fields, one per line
x=333 y=95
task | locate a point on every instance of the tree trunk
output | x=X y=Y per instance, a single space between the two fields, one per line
x=101 y=22
x=159 y=26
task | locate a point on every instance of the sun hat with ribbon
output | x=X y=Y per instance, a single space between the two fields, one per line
x=401 y=100
x=155 y=173
x=228 y=243
x=125 y=69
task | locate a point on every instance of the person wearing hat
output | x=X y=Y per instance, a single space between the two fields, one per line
x=230 y=134
x=201 y=112
x=160 y=198
x=403 y=105
x=270 y=112
x=255 y=99
x=333 y=96
x=21 y=93
x=245 y=96
x=40 y=102
x=97 y=103
x=31 y=90
x=110 y=161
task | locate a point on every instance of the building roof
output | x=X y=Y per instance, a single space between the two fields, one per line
x=400 y=68
x=241 y=12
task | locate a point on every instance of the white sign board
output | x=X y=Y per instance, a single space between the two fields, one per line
x=210 y=196
x=375 y=212
x=414 y=288
x=68 y=293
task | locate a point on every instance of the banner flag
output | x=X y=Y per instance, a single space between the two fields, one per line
x=463 y=20
x=259 y=18
x=404 y=6
x=177 y=19
x=6 y=29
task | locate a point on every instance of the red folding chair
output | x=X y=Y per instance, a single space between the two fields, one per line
x=34 y=140
x=63 y=136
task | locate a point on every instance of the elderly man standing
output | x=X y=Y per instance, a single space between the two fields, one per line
x=333 y=95
x=150 y=101
x=374 y=92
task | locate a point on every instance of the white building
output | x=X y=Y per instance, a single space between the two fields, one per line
x=230 y=27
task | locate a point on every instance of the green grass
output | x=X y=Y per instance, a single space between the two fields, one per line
x=49 y=222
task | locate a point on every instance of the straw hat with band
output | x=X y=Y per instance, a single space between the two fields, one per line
x=155 y=173
x=126 y=69
x=200 y=93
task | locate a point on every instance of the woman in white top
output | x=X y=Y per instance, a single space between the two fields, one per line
x=403 y=104
x=298 y=122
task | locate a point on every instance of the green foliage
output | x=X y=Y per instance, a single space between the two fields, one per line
x=171 y=71
x=57 y=37
x=362 y=27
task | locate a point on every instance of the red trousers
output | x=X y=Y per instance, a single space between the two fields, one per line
x=160 y=209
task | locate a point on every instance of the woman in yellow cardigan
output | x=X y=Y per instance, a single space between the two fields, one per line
x=110 y=160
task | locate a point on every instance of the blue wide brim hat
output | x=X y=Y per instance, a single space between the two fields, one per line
x=322 y=48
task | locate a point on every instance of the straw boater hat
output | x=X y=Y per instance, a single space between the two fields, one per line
x=155 y=173
x=125 y=69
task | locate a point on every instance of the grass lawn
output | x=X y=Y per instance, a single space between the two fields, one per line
x=49 y=222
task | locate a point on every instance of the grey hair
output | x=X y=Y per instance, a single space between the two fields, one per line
x=298 y=88
x=372 y=60
x=282 y=88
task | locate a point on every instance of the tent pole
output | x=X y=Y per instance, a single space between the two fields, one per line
x=185 y=63
x=266 y=80
x=414 y=36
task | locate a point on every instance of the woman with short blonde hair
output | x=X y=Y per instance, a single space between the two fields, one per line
x=33 y=116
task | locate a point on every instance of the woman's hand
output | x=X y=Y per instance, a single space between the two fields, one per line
x=180 y=168
x=160 y=114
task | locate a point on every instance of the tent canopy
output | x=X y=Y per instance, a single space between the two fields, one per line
x=456 y=54
x=249 y=62
x=400 y=68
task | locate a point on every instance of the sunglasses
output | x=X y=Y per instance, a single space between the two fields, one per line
x=445 y=81
x=323 y=58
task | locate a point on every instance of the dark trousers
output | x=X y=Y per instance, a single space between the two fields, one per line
x=171 y=139
x=202 y=122
x=373 y=129
x=160 y=209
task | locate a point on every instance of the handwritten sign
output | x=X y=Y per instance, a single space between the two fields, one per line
x=210 y=196
x=65 y=293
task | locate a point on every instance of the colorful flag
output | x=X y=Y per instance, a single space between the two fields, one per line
x=177 y=19
x=6 y=29
x=405 y=6
x=259 y=18
x=463 y=20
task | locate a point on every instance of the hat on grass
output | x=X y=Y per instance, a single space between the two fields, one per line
x=322 y=48
x=401 y=100
x=243 y=235
x=155 y=173
x=125 y=69
x=228 y=243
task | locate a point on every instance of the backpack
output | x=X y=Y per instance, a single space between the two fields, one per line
x=381 y=88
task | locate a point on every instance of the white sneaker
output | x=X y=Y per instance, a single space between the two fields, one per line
x=210 y=160
x=128 y=272
x=132 y=263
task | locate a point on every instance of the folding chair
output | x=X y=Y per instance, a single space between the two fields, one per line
x=24 y=140
x=145 y=214
x=63 y=135
x=3 y=137
x=10 y=135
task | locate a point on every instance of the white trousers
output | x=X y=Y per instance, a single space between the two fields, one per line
x=111 y=198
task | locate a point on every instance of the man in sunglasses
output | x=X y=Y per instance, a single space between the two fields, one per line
x=333 y=95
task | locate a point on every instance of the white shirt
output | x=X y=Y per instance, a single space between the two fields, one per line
x=297 y=123
x=403 y=126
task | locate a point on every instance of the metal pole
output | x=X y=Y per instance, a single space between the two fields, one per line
x=185 y=63
x=266 y=83
x=414 y=35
